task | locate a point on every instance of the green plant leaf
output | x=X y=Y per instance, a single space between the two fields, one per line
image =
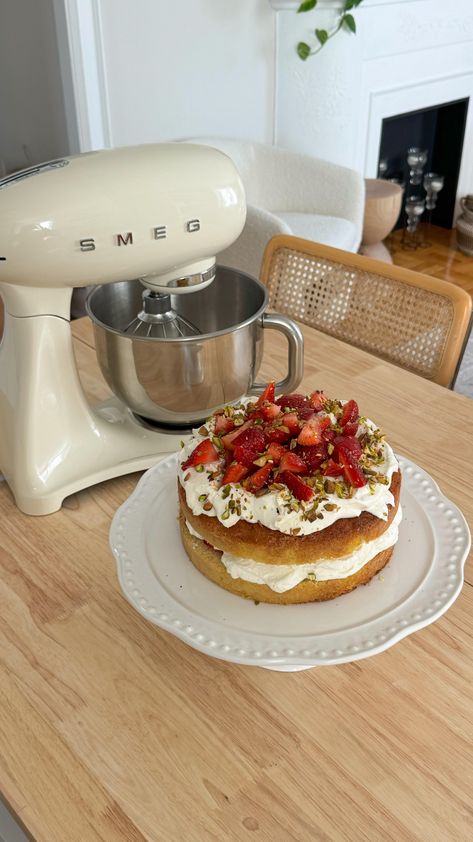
x=349 y=22
x=322 y=35
x=307 y=5
x=303 y=50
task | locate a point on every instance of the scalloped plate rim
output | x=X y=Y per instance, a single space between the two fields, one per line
x=297 y=661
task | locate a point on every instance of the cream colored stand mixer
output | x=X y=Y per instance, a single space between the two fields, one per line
x=159 y=214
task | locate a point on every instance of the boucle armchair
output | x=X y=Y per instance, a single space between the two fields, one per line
x=289 y=193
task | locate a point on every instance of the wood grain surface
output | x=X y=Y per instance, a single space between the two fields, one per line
x=439 y=256
x=113 y=730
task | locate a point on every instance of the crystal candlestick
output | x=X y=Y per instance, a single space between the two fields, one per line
x=433 y=183
x=417 y=159
x=414 y=207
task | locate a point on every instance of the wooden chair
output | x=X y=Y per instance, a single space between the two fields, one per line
x=407 y=318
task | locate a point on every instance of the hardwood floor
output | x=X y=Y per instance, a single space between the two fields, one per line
x=442 y=258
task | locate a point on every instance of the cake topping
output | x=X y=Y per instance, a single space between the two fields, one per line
x=296 y=458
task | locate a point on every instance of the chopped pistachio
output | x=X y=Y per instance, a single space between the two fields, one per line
x=225 y=514
x=181 y=443
x=226 y=491
x=330 y=448
x=199 y=468
x=203 y=431
x=207 y=506
x=296 y=530
x=202 y=498
x=187 y=476
x=329 y=486
x=261 y=461
x=331 y=507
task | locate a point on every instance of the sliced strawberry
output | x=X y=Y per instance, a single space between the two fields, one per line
x=230 y=437
x=313 y=456
x=253 y=436
x=350 y=413
x=350 y=443
x=292 y=462
x=223 y=424
x=259 y=479
x=277 y=434
x=294 y=401
x=248 y=445
x=202 y=454
x=270 y=411
x=332 y=469
x=291 y=421
x=351 y=468
x=275 y=452
x=305 y=413
x=311 y=432
x=234 y=473
x=296 y=485
x=329 y=435
x=268 y=394
x=350 y=429
x=318 y=400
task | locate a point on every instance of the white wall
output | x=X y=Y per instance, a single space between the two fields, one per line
x=408 y=54
x=193 y=67
x=32 y=113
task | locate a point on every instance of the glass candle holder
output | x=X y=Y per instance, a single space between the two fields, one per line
x=433 y=183
x=415 y=206
x=417 y=159
x=382 y=168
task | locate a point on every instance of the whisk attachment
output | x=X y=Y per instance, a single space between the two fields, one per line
x=158 y=320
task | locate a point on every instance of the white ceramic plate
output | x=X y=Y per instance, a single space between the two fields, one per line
x=423 y=578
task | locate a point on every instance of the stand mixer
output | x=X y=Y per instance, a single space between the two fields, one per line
x=159 y=214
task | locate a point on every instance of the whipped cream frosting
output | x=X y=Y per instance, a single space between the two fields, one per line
x=283 y=577
x=271 y=509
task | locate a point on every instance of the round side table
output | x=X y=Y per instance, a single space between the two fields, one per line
x=382 y=208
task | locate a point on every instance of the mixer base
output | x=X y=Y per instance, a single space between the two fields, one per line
x=116 y=443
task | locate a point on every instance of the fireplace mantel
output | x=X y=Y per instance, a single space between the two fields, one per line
x=407 y=55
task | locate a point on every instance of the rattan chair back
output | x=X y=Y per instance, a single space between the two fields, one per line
x=413 y=320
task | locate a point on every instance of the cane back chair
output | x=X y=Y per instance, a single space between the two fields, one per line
x=412 y=320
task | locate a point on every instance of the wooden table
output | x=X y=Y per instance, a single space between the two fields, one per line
x=111 y=729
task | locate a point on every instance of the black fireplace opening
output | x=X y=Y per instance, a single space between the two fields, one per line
x=439 y=130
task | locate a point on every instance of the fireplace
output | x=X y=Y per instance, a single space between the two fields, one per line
x=440 y=130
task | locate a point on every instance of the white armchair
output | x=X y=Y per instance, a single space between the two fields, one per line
x=289 y=193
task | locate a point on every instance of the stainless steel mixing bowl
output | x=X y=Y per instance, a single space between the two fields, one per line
x=180 y=381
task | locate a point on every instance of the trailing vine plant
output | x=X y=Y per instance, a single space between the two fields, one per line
x=345 y=20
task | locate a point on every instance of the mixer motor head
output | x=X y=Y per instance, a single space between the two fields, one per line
x=157 y=212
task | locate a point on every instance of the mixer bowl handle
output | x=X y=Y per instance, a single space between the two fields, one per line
x=295 y=353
